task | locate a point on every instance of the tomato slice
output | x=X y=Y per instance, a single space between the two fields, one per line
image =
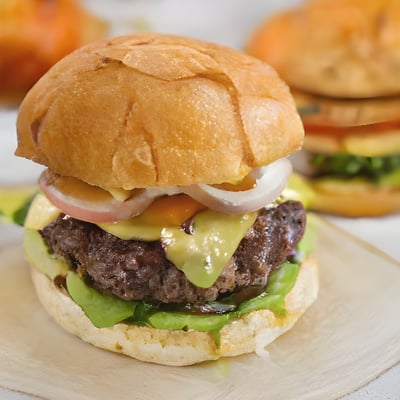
x=329 y=130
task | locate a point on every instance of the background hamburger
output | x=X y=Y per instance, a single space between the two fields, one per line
x=341 y=59
x=36 y=34
x=160 y=231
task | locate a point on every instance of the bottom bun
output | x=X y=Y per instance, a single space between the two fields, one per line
x=352 y=198
x=251 y=333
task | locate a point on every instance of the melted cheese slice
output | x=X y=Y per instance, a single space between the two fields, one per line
x=41 y=213
x=164 y=211
x=201 y=253
x=368 y=144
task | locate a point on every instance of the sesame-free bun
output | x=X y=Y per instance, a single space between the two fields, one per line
x=338 y=48
x=250 y=333
x=158 y=110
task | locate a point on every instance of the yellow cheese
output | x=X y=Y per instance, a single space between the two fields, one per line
x=165 y=211
x=368 y=144
x=203 y=253
x=119 y=193
x=41 y=213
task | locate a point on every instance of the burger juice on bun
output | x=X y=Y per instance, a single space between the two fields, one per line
x=341 y=60
x=160 y=230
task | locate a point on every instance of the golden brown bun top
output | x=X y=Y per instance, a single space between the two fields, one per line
x=341 y=48
x=158 y=110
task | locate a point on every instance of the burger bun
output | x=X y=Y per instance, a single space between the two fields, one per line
x=250 y=333
x=119 y=114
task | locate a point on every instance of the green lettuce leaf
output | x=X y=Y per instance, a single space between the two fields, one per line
x=343 y=165
x=107 y=310
x=280 y=283
x=102 y=309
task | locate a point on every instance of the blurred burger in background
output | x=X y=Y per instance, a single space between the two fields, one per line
x=341 y=59
x=34 y=35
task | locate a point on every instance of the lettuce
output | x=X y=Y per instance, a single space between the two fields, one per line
x=106 y=310
x=103 y=310
x=343 y=165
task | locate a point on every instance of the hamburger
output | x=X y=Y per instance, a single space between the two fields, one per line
x=341 y=60
x=160 y=230
x=35 y=34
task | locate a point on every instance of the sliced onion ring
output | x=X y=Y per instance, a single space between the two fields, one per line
x=270 y=182
x=99 y=206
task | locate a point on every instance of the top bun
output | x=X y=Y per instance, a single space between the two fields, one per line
x=157 y=110
x=339 y=48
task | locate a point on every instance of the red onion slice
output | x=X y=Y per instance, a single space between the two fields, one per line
x=270 y=182
x=93 y=204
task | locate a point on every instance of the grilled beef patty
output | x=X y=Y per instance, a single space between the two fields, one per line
x=135 y=270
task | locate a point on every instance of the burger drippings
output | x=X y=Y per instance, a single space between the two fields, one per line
x=224 y=304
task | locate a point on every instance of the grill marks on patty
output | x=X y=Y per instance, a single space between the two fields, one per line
x=135 y=270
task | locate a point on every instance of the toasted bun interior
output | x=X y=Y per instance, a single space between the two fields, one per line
x=251 y=333
x=158 y=110
x=338 y=48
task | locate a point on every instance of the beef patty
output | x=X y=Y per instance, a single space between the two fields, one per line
x=135 y=270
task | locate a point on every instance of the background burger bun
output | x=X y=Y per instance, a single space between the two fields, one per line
x=34 y=35
x=154 y=110
x=337 y=48
x=250 y=333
